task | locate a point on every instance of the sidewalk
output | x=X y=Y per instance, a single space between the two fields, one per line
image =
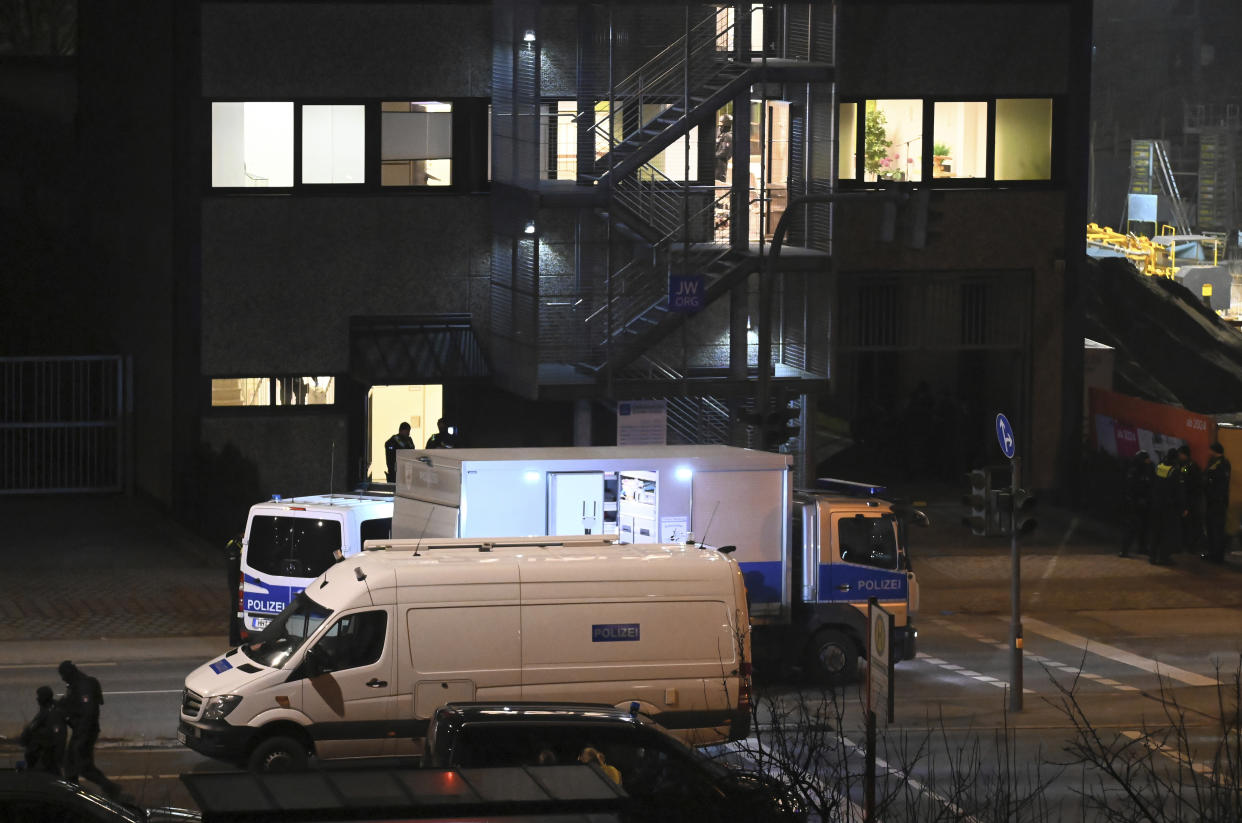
x=92 y=567
x=101 y=568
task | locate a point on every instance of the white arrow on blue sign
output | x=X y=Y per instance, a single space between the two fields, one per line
x=1004 y=435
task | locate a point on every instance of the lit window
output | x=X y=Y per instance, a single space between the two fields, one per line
x=416 y=144
x=1024 y=139
x=333 y=144
x=847 y=144
x=305 y=391
x=893 y=140
x=252 y=144
x=558 y=140
x=683 y=153
x=241 y=391
x=960 y=140
x=273 y=391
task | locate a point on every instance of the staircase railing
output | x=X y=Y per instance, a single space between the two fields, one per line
x=665 y=80
x=691 y=419
x=642 y=284
x=1169 y=183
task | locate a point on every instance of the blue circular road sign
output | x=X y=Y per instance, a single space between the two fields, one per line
x=1004 y=435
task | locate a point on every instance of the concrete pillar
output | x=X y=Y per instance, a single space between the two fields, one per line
x=582 y=422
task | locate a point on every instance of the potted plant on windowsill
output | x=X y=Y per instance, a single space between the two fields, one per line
x=942 y=161
x=876 y=142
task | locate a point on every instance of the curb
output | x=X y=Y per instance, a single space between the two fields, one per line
x=97 y=650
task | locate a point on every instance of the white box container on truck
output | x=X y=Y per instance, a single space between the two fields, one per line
x=359 y=661
x=289 y=542
x=811 y=560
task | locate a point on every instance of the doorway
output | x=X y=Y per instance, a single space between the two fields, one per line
x=389 y=406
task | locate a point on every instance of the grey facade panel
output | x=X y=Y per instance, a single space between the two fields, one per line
x=282 y=276
x=915 y=49
x=287 y=454
x=273 y=50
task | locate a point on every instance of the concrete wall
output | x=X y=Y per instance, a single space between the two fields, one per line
x=283 y=275
x=920 y=49
x=988 y=231
x=347 y=50
x=126 y=73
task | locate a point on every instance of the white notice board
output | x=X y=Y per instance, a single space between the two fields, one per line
x=642 y=423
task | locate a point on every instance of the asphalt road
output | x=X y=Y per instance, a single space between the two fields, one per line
x=1123 y=667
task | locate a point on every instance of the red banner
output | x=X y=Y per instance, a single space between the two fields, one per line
x=1122 y=425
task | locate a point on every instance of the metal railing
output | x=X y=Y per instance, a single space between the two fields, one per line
x=664 y=82
x=63 y=424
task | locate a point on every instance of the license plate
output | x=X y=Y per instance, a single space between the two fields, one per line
x=181 y=738
x=261 y=622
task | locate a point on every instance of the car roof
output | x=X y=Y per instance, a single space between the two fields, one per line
x=329 y=502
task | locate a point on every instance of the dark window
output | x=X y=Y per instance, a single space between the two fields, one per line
x=868 y=541
x=354 y=640
x=378 y=529
x=292 y=546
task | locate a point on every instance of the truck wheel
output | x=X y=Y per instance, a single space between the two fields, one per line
x=832 y=658
x=278 y=754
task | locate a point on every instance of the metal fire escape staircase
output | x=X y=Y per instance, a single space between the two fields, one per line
x=680 y=88
x=1151 y=173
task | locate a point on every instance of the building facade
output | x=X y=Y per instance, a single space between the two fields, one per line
x=517 y=215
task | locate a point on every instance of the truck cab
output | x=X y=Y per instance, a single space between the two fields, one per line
x=848 y=547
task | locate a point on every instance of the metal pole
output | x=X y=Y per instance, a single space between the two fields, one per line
x=869 y=770
x=1015 y=594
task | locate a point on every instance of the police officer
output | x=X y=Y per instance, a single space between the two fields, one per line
x=81 y=707
x=400 y=440
x=1192 y=485
x=43 y=738
x=1216 y=502
x=1170 y=505
x=1137 y=501
x=444 y=438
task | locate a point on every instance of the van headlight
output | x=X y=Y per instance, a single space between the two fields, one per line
x=218 y=708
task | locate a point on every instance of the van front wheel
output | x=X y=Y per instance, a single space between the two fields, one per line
x=832 y=658
x=278 y=754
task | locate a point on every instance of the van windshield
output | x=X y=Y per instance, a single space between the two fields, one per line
x=292 y=546
x=287 y=632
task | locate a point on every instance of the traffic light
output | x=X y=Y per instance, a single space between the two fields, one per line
x=976 y=502
x=924 y=215
x=1024 y=521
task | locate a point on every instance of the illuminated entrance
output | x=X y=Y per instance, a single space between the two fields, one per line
x=390 y=406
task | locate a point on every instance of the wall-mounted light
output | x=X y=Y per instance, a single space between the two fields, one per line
x=683 y=473
x=529 y=37
x=530 y=227
x=531 y=476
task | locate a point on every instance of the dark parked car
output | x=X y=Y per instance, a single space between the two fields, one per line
x=667 y=779
x=38 y=797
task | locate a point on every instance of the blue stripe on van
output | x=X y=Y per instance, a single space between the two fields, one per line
x=763 y=581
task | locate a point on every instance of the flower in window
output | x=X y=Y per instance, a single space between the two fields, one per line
x=890 y=168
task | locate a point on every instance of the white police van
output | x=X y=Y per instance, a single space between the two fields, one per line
x=360 y=660
x=288 y=543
